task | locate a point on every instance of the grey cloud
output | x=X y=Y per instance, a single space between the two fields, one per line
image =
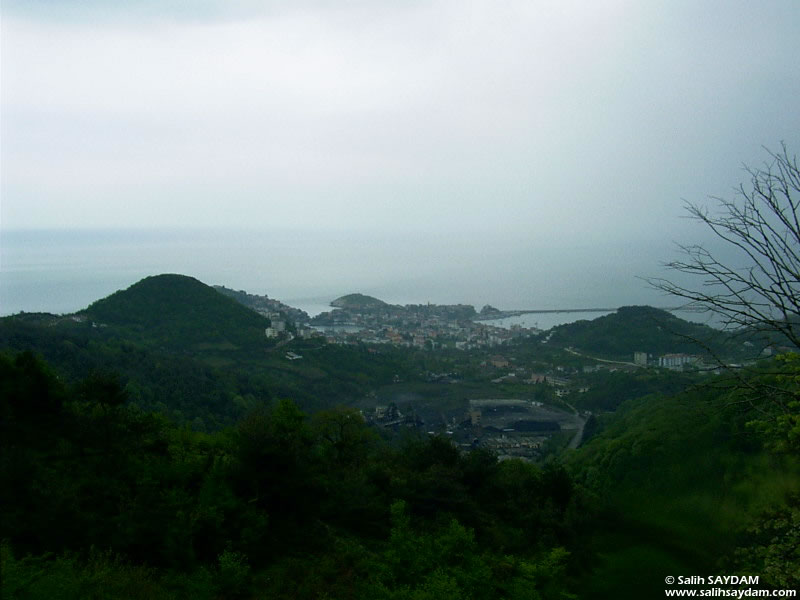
x=556 y=120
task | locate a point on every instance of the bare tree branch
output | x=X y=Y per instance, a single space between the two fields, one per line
x=758 y=289
x=761 y=290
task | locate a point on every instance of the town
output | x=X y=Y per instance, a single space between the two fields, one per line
x=363 y=319
x=520 y=392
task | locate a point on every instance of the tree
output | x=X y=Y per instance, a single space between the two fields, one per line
x=344 y=436
x=758 y=289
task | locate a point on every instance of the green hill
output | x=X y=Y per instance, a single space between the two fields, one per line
x=181 y=348
x=177 y=311
x=641 y=329
x=357 y=301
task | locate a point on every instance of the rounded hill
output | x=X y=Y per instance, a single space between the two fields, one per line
x=357 y=301
x=176 y=311
x=638 y=328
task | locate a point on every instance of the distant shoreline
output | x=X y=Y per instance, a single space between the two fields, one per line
x=516 y=313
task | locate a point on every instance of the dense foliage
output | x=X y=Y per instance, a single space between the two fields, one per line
x=694 y=483
x=136 y=464
x=607 y=390
x=177 y=311
x=112 y=502
x=279 y=506
x=203 y=379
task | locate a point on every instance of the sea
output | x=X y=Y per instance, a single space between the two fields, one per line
x=62 y=271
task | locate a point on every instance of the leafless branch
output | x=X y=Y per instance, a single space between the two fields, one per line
x=758 y=290
x=761 y=291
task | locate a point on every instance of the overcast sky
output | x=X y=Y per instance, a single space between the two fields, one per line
x=563 y=119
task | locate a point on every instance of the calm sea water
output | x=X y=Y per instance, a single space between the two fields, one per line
x=546 y=320
x=64 y=271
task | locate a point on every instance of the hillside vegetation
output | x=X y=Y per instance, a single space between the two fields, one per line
x=644 y=329
x=110 y=502
x=177 y=311
x=150 y=456
x=180 y=347
x=684 y=482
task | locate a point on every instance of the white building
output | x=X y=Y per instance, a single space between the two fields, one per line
x=676 y=361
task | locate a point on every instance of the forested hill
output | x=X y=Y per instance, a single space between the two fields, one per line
x=179 y=347
x=179 y=311
x=641 y=329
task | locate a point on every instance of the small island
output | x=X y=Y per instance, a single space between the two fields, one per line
x=358 y=301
